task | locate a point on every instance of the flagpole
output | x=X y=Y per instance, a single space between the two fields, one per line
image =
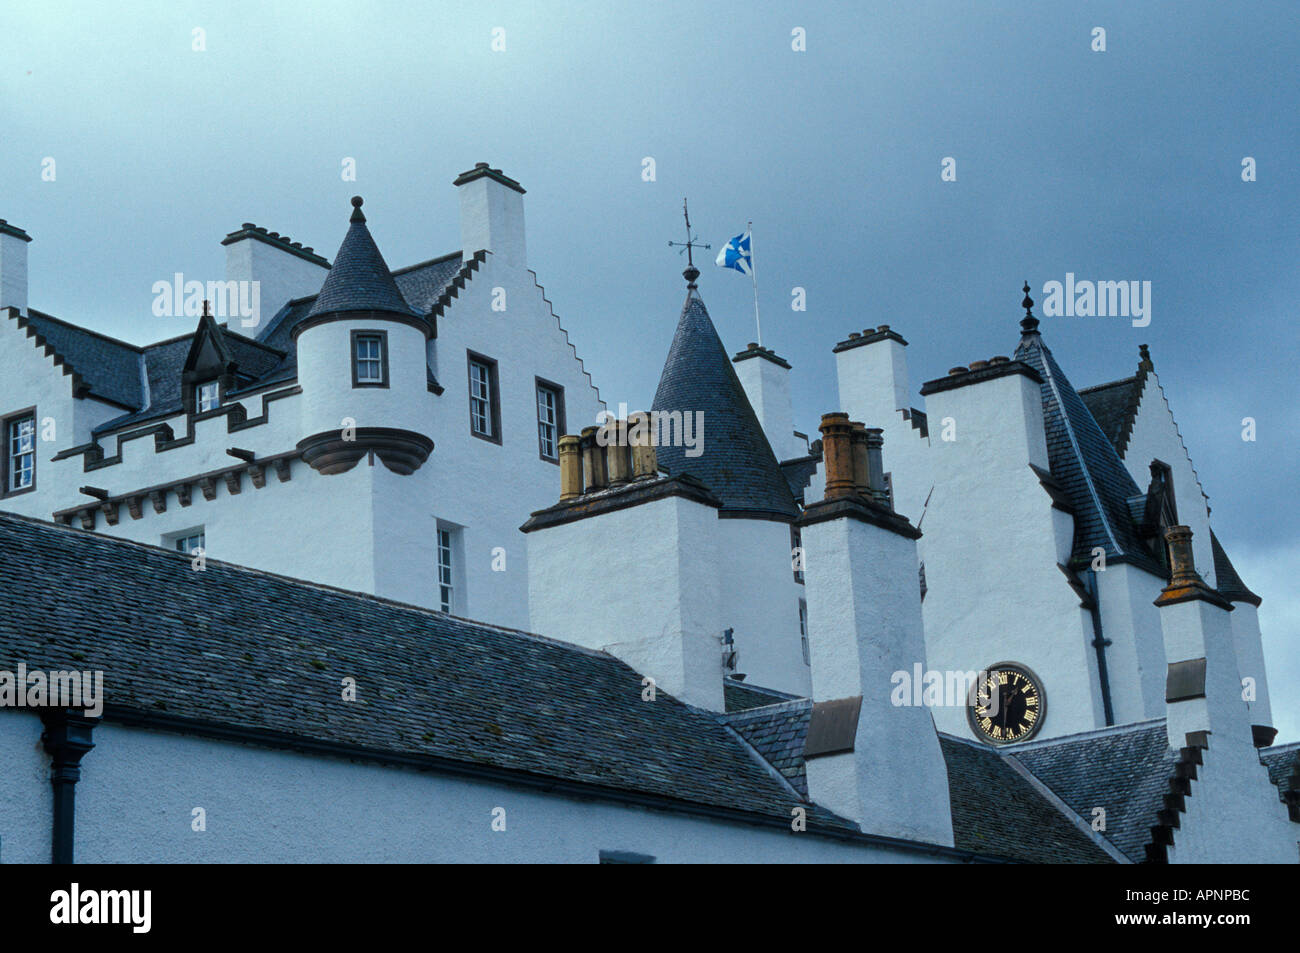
x=753 y=276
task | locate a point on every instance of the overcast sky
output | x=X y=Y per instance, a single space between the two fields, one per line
x=1116 y=165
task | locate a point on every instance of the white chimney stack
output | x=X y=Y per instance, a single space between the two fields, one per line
x=13 y=266
x=766 y=379
x=867 y=759
x=1208 y=723
x=283 y=270
x=631 y=569
x=492 y=214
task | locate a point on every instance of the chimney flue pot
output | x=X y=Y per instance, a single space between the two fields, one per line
x=570 y=467
x=837 y=454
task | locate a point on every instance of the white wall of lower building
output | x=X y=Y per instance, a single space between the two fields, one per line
x=139 y=789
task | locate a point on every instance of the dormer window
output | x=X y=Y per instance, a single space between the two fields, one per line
x=207 y=396
x=369 y=359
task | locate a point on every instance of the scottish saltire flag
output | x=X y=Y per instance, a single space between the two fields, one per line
x=735 y=254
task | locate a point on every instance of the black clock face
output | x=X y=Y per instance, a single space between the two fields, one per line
x=1008 y=704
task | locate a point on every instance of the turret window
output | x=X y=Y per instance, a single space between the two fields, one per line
x=369 y=359
x=20 y=452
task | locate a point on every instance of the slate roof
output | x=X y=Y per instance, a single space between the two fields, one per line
x=740 y=696
x=110 y=367
x=778 y=732
x=1125 y=770
x=737 y=464
x=359 y=280
x=1087 y=466
x=1226 y=579
x=165 y=360
x=1114 y=407
x=252 y=651
x=1283 y=763
x=994 y=809
x=798 y=472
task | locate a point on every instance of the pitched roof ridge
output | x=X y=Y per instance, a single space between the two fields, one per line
x=793 y=704
x=431 y=261
x=1132 y=727
x=1123 y=380
x=85 y=330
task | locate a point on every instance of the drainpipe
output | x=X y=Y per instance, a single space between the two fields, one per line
x=1099 y=643
x=67 y=739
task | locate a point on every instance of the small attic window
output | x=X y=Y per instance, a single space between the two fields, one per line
x=207 y=396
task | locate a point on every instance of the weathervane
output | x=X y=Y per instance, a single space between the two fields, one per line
x=691 y=243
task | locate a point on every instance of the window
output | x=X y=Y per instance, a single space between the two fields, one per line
x=20 y=452
x=207 y=396
x=369 y=359
x=484 y=398
x=550 y=419
x=803 y=632
x=446 y=590
x=796 y=554
x=189 y=541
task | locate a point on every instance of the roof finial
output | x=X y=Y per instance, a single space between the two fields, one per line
x=1029 y=323
x=207 y=308
x=1145 y=363
x=690 y=273
x=357 y=214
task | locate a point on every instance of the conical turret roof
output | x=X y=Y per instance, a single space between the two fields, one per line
x=737 y=462
x=360 y=279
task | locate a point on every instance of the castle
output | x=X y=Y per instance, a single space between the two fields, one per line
x=383 y=547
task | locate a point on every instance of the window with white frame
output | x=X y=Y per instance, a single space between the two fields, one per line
x=446 y=588
x=484 y=400
x=369 y=359
x=550 y=419
x=207 y=396
x=20 y=452
x=189 y=542
x=803 y=631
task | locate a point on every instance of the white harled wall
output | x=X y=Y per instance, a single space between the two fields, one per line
x=1155 y=437
x=995 y=592
x=139 y=788
x=874 y=388
x=280 y=275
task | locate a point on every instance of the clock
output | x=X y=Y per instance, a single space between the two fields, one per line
x=1007 y=704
